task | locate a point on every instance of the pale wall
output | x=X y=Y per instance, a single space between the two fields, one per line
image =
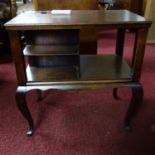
x=151 y=15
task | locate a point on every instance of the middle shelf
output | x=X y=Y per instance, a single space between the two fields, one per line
x=89 y=67
x=39 y=50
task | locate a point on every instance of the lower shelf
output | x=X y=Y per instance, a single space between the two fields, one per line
x=91 y=68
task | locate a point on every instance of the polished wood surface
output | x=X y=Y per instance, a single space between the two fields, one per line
x=88 y=37
x=32 y=50
x=76 y=20
x=53 y=65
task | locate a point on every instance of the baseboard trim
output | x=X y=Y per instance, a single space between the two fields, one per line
x=150 y=42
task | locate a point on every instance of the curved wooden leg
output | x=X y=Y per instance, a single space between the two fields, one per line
x=115 y=94
x=136 y=101
x=39 y=95
x=21 y=103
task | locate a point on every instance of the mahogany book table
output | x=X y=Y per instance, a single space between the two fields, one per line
x=51 y=59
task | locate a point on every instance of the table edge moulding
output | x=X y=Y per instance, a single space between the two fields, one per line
x=59 y=64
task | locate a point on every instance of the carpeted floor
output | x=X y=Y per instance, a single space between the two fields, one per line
x=79 y=123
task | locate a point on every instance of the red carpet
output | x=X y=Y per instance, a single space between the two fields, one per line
x=79 y=123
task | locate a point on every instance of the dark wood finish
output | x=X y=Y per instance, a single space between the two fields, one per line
x=42 y=50
x=55 y=66
x=136 y=101
x=41 y=74
x=18 y=57
x=88 y=41
x=118 y=70
x=120 y=41
x=55 y=37
x=54 y=61
x=88 y=37
x=21 y=103
x=139 y=53
x=77 y=20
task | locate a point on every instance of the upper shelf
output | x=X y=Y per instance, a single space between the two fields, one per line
x=33 y=20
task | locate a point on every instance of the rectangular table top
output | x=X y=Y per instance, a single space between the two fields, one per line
x=33 y=20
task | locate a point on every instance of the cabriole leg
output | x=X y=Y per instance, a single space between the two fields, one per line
x=21 y=103
x=136 y=101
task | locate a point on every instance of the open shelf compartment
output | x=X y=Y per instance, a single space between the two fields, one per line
x=91 y=67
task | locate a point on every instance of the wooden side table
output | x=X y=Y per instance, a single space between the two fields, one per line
x=59 y=65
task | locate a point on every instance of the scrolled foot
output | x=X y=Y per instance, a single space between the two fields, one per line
x=115 y=95
x=29 y=132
